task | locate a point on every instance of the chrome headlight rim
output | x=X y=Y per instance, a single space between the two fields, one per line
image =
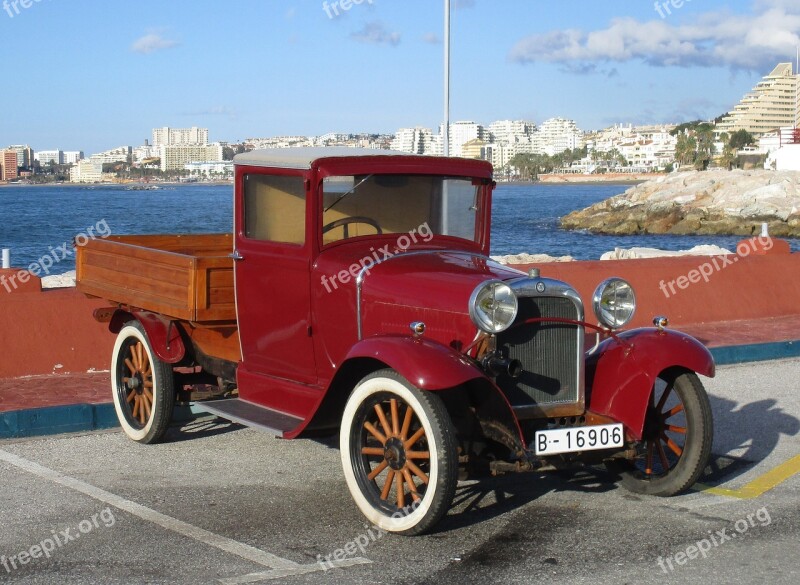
x=616 y=318
x=490 y=323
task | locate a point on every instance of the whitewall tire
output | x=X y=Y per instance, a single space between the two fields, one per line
x=399 y=454
x=142 y=386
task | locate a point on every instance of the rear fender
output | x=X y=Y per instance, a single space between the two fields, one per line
x=620 y=374
x=164 y=334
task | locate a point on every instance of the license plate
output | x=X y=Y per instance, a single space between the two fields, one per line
x=571 y=440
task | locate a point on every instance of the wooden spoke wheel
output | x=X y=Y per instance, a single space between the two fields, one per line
x=142 y=386
x=399 y=454
x=677 y=438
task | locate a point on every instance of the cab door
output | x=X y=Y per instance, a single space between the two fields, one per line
x=272 y=253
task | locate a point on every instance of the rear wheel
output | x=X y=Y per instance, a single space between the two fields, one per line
x=677 y=437
x=142 y=386
x=399 y=454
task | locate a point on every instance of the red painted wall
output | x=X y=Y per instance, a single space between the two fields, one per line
x=746 y=287
x=52 y=331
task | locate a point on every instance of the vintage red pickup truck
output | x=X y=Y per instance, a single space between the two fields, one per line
x=356 y=296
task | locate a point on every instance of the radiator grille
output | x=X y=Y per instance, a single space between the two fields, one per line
x=549 y=353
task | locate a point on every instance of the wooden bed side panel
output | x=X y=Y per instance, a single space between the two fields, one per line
x=151 y=273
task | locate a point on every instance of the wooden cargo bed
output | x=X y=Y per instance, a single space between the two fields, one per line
x=188 y=277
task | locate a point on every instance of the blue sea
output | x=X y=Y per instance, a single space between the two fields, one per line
x=36 y=219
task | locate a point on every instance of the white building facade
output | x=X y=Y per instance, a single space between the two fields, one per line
x=167 y=136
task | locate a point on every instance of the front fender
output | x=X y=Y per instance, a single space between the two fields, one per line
x=620 y=374
x=426 y=364
x=164 y=335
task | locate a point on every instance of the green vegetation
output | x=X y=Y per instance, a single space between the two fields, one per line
x=532 y=165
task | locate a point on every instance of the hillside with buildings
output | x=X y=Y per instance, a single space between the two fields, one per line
x=769 y=116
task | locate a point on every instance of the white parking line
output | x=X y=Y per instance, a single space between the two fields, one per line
x=280 y=567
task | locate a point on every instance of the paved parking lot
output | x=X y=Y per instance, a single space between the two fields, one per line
x=224 y=504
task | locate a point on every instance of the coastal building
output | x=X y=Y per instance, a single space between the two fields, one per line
x=24 y=155
x=175 y=157
x=46 y=157
x=416 y=141
x=461 y=133
x=511 y=131
x=167 y=136
x=646 y=147
x=86 y=171
x=278 y=142
x=475 y=148
x=772 y=104
x=555 y=136
x=72 y=157
x=120 y=154
x=8 y=165
x=210 y=170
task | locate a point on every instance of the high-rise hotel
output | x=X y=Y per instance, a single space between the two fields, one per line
x=774 y=103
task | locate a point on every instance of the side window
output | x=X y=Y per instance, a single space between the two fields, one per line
x=275 y=208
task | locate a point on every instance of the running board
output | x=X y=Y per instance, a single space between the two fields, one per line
x=251 y=415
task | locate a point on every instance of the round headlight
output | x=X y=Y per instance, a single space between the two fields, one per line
x=614 y=303
x=493 y=306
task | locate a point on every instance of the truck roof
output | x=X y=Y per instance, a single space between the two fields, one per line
x=304 y=157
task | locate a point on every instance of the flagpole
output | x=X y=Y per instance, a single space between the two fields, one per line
x=446 y=133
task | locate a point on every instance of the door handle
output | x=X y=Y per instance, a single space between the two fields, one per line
x=236 y=256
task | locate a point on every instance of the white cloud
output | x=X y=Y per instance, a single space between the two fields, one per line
x=432 y=38
x=376 y=33
x=752 y=42
x=152 y=42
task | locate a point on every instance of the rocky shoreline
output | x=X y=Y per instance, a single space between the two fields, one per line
x=716 y=202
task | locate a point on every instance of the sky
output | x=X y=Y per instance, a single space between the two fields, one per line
x=91 y=75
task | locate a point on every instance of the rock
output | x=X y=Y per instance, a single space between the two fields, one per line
x=59 y=280
x=632 y=253
x=716 y=202
x=531 y=259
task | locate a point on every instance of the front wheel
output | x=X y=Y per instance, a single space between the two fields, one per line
x=677 y=437
x=142 y=385
x=399 y=454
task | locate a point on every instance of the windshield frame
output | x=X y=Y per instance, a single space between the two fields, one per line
x=479 y=243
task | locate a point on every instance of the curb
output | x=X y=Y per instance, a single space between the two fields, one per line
x=56 y=420
x=73 y=418
x=758 y=352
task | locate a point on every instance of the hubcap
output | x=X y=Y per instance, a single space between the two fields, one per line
x=394 y=460
x=395 y=453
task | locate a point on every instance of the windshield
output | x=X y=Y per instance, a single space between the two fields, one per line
x=393 y=204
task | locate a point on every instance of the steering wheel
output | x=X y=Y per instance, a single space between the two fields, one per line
x=346 y=221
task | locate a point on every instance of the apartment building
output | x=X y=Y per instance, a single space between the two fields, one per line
x=774 y=103
x=175 y=157
x=167 y=136
x=8 y=165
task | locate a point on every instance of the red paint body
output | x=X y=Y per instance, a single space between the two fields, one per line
x=620 y=374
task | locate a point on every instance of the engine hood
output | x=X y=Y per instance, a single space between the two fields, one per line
x=429 y=286
x=441 y=280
